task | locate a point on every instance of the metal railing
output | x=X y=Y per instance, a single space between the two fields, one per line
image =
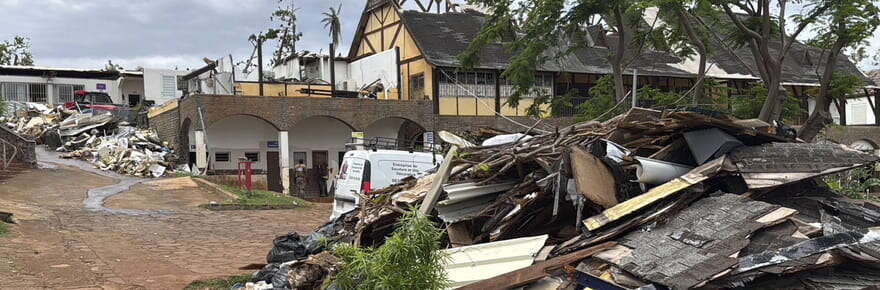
x=391 y=144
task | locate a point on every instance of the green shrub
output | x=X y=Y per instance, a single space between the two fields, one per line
x=409 y=259
x=856 y=183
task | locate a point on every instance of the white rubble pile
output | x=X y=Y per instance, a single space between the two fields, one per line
x=97 y=138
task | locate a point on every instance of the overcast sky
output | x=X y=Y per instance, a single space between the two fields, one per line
x=158 y=33
x=170 y=33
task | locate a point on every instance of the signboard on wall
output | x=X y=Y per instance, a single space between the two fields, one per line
x=428 y=138
x=100 y=86
x=272 y=144
x=357 y=135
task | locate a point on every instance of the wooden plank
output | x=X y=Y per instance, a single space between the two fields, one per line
x=460 y=234
x=592 y=178
x=625 y=208
x=439 y=179
x=535 y=272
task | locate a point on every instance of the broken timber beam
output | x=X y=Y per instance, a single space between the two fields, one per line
x=695 y=176
x=439 y=179
x=535 y=272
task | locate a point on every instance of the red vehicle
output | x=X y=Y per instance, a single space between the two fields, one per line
x=91 y=100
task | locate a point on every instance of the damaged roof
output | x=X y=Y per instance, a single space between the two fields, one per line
x=443 y=37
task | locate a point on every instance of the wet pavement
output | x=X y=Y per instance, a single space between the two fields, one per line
x=80 y=227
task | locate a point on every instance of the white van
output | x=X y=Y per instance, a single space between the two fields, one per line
x=366 y=170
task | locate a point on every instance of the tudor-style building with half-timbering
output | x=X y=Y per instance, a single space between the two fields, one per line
x=409 y=60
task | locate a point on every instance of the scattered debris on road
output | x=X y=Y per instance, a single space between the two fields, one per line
x=647 y=199
x=100 y=138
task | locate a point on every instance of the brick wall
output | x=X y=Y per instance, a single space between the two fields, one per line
x=849 y=134
x=26 y=153
x=284 y=112
x=167 y=124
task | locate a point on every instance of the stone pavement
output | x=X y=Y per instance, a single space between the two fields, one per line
x=59 y=244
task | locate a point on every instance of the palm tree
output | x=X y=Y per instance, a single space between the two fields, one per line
x=331 y=21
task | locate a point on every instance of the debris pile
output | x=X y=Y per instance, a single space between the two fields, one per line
x=648 y=199
x=99 y=138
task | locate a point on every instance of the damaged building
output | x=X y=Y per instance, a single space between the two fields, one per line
x=402 y=79
x=56 y=86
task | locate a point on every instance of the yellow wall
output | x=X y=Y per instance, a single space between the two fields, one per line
x=277 y=90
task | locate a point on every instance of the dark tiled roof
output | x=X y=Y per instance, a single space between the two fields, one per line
x=442 y=37
x=803 y=64
x=875 y=76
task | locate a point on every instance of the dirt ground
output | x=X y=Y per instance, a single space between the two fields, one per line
x=58 y=244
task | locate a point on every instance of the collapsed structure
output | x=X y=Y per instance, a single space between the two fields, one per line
x=99 y=137
x=648 y=199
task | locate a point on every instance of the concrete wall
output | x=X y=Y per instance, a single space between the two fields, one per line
x=385 y=128
x=381 y=66
x=155 y=87
x=130 y=86
x=238 y=135
x=319 y=134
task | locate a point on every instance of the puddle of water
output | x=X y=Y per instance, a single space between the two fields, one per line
x=96 y=196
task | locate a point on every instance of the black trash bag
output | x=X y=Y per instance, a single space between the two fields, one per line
x=265 y=274
x=287 y=248
x=274 y=274
x=292 y=246
x=279 y=280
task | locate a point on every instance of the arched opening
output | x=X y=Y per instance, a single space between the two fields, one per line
x=319 y=142
x=240 y=137
x=864 y=145
x=396 y=132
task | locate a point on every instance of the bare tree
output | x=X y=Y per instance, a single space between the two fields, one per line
x=846 y=25
x=760 y=28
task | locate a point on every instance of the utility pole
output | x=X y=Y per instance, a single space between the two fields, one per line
x=332 y=71
x=635 y=102
x=260 y=40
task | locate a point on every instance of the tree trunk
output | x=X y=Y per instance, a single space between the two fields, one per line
x=699 y=90
x=617 y=58
x=821 y=115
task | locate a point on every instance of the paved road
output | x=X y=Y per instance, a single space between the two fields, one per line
x=151 y=236
x=96 y=196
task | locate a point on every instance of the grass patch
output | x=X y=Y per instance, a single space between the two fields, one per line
x=261 y=197
x=221 y=283
x=3 y=229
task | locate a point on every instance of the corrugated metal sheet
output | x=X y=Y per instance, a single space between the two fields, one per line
x=464 y=191
x=451 y=213
x=478 y=262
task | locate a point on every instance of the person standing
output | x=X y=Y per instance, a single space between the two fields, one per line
x=300 y=174
x=322 y=182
